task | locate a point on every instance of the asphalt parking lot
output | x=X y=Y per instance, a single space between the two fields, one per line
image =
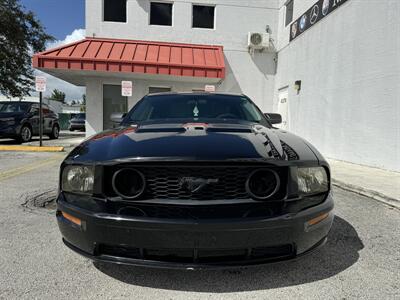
x=360 y=260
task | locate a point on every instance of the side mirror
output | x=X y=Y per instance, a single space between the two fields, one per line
x=274 y=118
x=117 y=117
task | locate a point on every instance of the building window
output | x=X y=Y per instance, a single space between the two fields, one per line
x=158 y=89
x=161 y=13
x=289 y=12
x=115 y=10
x=203 y=16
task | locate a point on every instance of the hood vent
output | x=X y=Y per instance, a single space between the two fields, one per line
x=290 y=153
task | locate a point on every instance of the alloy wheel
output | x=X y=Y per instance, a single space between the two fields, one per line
x=26 y=134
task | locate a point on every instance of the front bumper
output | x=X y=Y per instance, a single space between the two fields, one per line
x=77 y=126
x=193 y=244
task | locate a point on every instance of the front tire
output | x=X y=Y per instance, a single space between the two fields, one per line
x=55 y=132
x=25 y=135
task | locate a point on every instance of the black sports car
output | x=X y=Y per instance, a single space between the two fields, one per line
x=195 y=180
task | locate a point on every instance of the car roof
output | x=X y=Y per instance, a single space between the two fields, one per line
x=13 y=102
x=194 y=94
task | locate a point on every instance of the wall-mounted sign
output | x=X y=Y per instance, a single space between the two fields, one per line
x=209 y=88
x=312 y=16
x=126 y=88
x=40 y=84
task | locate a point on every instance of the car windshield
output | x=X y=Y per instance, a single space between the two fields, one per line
x=14 y=107
x=196 y=107
x=80 y=116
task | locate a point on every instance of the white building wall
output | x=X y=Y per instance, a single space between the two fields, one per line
x=349 y=65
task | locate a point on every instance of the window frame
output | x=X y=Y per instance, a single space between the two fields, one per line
x=172 y=12
x=214 y=19
x=286 y=10
x=158 y=87
x=118 y=22
x=34 y=108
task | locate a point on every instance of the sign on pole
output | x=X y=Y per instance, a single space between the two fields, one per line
x=40 y=84
x=126 y=88
x=209 y=88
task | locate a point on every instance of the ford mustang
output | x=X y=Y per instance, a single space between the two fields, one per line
x=192 y=181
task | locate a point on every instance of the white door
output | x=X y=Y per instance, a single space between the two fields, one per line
x=283 y=108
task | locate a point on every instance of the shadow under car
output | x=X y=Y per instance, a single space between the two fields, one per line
x=340 y=252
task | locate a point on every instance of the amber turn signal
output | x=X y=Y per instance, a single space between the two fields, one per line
x=73 y=219
x=318 y=219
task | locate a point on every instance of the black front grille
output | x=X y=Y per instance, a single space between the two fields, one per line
x=165 y=183
x=205 y=256
x=225 y=182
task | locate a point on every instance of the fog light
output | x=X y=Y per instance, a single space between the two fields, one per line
x=262 y=184
x=128 y=183
x=72 y=219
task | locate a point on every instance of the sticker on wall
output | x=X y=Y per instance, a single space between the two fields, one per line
x=303 y=22
x=126 y=88
x=209 y=88
x=294 y=29
x=325 y=7
x=312 y=16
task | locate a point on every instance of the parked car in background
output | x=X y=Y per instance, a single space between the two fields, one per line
x=77 y=122
x=195 y=180
x=20 y=120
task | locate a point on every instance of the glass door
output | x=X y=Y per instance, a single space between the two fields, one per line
x=113 y=102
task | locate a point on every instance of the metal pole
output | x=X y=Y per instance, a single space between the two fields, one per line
x=40 y=120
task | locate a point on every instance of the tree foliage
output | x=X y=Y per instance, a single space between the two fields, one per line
x=21 y=33
x=57 y=95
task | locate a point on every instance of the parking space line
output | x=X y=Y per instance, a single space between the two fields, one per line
x=30 y=167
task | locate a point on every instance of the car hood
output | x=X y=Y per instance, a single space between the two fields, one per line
x=206 y=142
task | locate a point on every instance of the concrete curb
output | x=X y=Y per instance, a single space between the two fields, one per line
x=32 y=148
x=368 y=193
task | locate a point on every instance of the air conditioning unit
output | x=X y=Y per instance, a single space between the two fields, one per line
x=258 y=40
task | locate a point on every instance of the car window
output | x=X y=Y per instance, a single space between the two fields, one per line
x=195 y=107
x=45 y=109
x=51 y=110
x=34 y=109
x=14 y=107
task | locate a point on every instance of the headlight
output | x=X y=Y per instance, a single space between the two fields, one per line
x=78 y=179
x=312 y=180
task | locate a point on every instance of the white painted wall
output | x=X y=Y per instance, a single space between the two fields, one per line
x=349 y=65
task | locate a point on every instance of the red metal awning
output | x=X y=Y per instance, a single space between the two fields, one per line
x=109 y=55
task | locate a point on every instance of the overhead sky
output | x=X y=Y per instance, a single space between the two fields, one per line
x=60 y=17
x=65 y=20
